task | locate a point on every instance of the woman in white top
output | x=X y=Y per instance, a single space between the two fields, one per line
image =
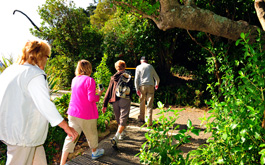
x=25 y=107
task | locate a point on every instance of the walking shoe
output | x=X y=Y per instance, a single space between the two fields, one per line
x=140 y=119
x=114 y=142
x=98 y=153
x=123 y=135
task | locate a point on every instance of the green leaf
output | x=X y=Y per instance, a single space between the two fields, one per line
x=160 y=105
x=262 y=152
x=262 y=159
x=221 y=160
x=257 y=135
x=262 y=145
x=224 y=136
x=196 y=131
x=237 y=42
x=189 y=123
x=250 y=108
x=242 y=35
x=233 y=126
x=183 y=131
x=241 y=73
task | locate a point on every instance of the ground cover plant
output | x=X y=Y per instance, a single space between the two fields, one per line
x=162 y=146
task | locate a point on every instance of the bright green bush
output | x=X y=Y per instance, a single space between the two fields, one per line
x=237 y=111
x=161 y=146
x=62 y=104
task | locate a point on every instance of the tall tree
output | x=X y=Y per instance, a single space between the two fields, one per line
x=102 y=14
x=71 y=35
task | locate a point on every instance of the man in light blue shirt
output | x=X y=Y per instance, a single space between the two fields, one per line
x=146 y=82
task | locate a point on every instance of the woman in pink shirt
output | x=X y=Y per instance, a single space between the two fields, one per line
x=82 y=111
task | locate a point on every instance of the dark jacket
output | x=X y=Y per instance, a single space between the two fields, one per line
x=110 y=95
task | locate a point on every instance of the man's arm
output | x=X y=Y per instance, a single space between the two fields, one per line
x=157 y=79
x=136 y=81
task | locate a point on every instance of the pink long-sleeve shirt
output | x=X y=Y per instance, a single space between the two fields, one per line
x=83 y=98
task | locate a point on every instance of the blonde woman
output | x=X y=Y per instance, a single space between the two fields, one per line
x=82 y=111
x=25 y=107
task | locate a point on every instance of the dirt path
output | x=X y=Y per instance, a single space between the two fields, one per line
x=136 y=137
x=188 y=113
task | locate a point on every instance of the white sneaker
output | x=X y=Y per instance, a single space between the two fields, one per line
x=98 y=153
x=123 y=135
x=114 y=142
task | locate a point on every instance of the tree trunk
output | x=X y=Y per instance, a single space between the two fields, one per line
x=260 y=6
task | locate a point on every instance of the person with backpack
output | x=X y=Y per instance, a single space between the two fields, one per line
x=119 y=95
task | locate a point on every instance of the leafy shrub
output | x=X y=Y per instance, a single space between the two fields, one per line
x=161 y=146
x=180 y=70
x=62 y=104
x=104 y=119
x=3 y=150
x=102 y=74
x=237 y=133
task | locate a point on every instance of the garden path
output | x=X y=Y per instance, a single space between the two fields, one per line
x=131 y=145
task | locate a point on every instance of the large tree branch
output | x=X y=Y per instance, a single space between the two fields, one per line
x=194 y=18
x=259 y=7
x=174 y=15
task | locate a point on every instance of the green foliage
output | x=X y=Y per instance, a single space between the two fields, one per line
x=52 y=82
x=6 y=63
x=62 y=104
x=60 y=68
x=102 y=74
x=72 y=37
x=235 y=10
x=237 y=134
x=162 y=146
x=56 y=135
x=148 y=7
x=3 y=149
x=180 y=70
x=103 y=13
x=182 y=95
x=104 y=119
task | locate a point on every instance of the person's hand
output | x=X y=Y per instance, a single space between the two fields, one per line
x=138 y=93
x=156 y=87
x=100 y=91
x=104 y=109
x=71 y=132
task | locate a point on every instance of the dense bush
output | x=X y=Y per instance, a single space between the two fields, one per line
x=237 y=133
